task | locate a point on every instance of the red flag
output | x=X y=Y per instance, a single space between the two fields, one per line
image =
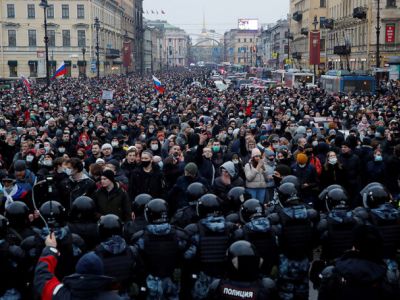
x=315 y=45
x=26 y=83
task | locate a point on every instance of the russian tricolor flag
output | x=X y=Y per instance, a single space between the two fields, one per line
x=26 y=83
x=157 y=85
x=62 y=70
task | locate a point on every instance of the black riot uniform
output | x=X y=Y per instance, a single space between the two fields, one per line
x=119 y=259
x=70 y=245
x=17 y=214
x=258 y=231
x=295 y=224
x=236 y=197
x=336 y=226
x=161 y=247
x=82 y=221
x=210 y=238
x=243 y=280
x=139 y=222
x=12 y=271
x=386 y=218
x=187 y=214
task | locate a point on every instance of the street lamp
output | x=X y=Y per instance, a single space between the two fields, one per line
x=97 y=26
x=84 y=61
x=43 y=4
x=378 y=32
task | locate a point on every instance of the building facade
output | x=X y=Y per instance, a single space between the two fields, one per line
x=275 y=43
x=303 y=13
x=240 y=47
x=359 y=34
x=71 y=37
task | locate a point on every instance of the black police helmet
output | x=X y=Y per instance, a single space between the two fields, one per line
x=243 y=260
x=3 y=226
x=53 y=212
x=237 y=196
x=207 y=205
x=17 y=214
x=376 y=196
x=336 y=198
x=83 y=208
x=195 y=190
x=251 y=209
x=293 y=179
x=109 y=225
x=140 y=202
x=324 y=193
x=156 y=211
x=287 y=192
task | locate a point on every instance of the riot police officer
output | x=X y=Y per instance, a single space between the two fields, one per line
x=82 y=221
x=386 y=218
x=71 y=245
x=295 y=224
x=17 y=214
x=243 y=280
x=162 y=247
x=12 y=271
x=235 y=198
x=257 y=230
x=119 y=259
x=187 y=214
x=139 y=221
x=210 y=237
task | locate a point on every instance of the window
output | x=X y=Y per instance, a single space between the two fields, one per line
x=50 y=11
x=238 y=40
x=32 y=68
x=52 y=38
x=32 y=37
x=251 y=40
x=66 y=36
x=245 y=40
x=391 y=3
x=13 y=68
x=10 y=11
x=65 y=11
x=81 y=38
x=81 y=11
x=31 y=11
x=322 y=3
x=12 y=38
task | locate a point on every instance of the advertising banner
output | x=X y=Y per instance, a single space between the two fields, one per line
x=315 y=45
x=390 y=33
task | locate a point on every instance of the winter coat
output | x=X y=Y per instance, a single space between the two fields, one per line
x=114 y=202
x=254 y=177
x=74 y=287
x=149 y=183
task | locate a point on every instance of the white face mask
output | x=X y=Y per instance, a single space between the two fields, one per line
x=29 y=158
x=302 y=165
x=154 y=147
x=68 y=171
x=47 y=149
x=114 y=144
x=47 y=162
x=61 y=150
x=332 y=160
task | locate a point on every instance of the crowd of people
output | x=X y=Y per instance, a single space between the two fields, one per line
x=197 y=193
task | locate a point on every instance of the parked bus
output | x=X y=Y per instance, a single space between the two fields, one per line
x=296 y=78
x=344 y=82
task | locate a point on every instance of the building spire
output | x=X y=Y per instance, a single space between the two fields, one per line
x=204 y=30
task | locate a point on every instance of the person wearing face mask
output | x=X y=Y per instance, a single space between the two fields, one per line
x=155 y=146
x=77 y=184
x=380 y=138
x=147 y=178
x=203 y=160
x=307 y=176
x=352 y=169
x=118 y=152
x=256 y=175
x=332 y=171
x=375 y=171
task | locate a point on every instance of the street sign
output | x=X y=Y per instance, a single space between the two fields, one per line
x=107 y=95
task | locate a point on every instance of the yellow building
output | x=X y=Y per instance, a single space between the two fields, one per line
x=71 y=35
x=241 y=46
x=302 y=13
x=360 y=34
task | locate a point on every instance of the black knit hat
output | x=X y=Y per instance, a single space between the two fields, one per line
x=109 y=174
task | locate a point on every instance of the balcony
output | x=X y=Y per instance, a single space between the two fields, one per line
x=304 y=31
x=296 y=55
x=360 y=13
x=342 y=50
x=112 y=53
x=297 y=16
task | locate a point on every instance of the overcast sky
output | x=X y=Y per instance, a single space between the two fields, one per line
x=221 y=15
